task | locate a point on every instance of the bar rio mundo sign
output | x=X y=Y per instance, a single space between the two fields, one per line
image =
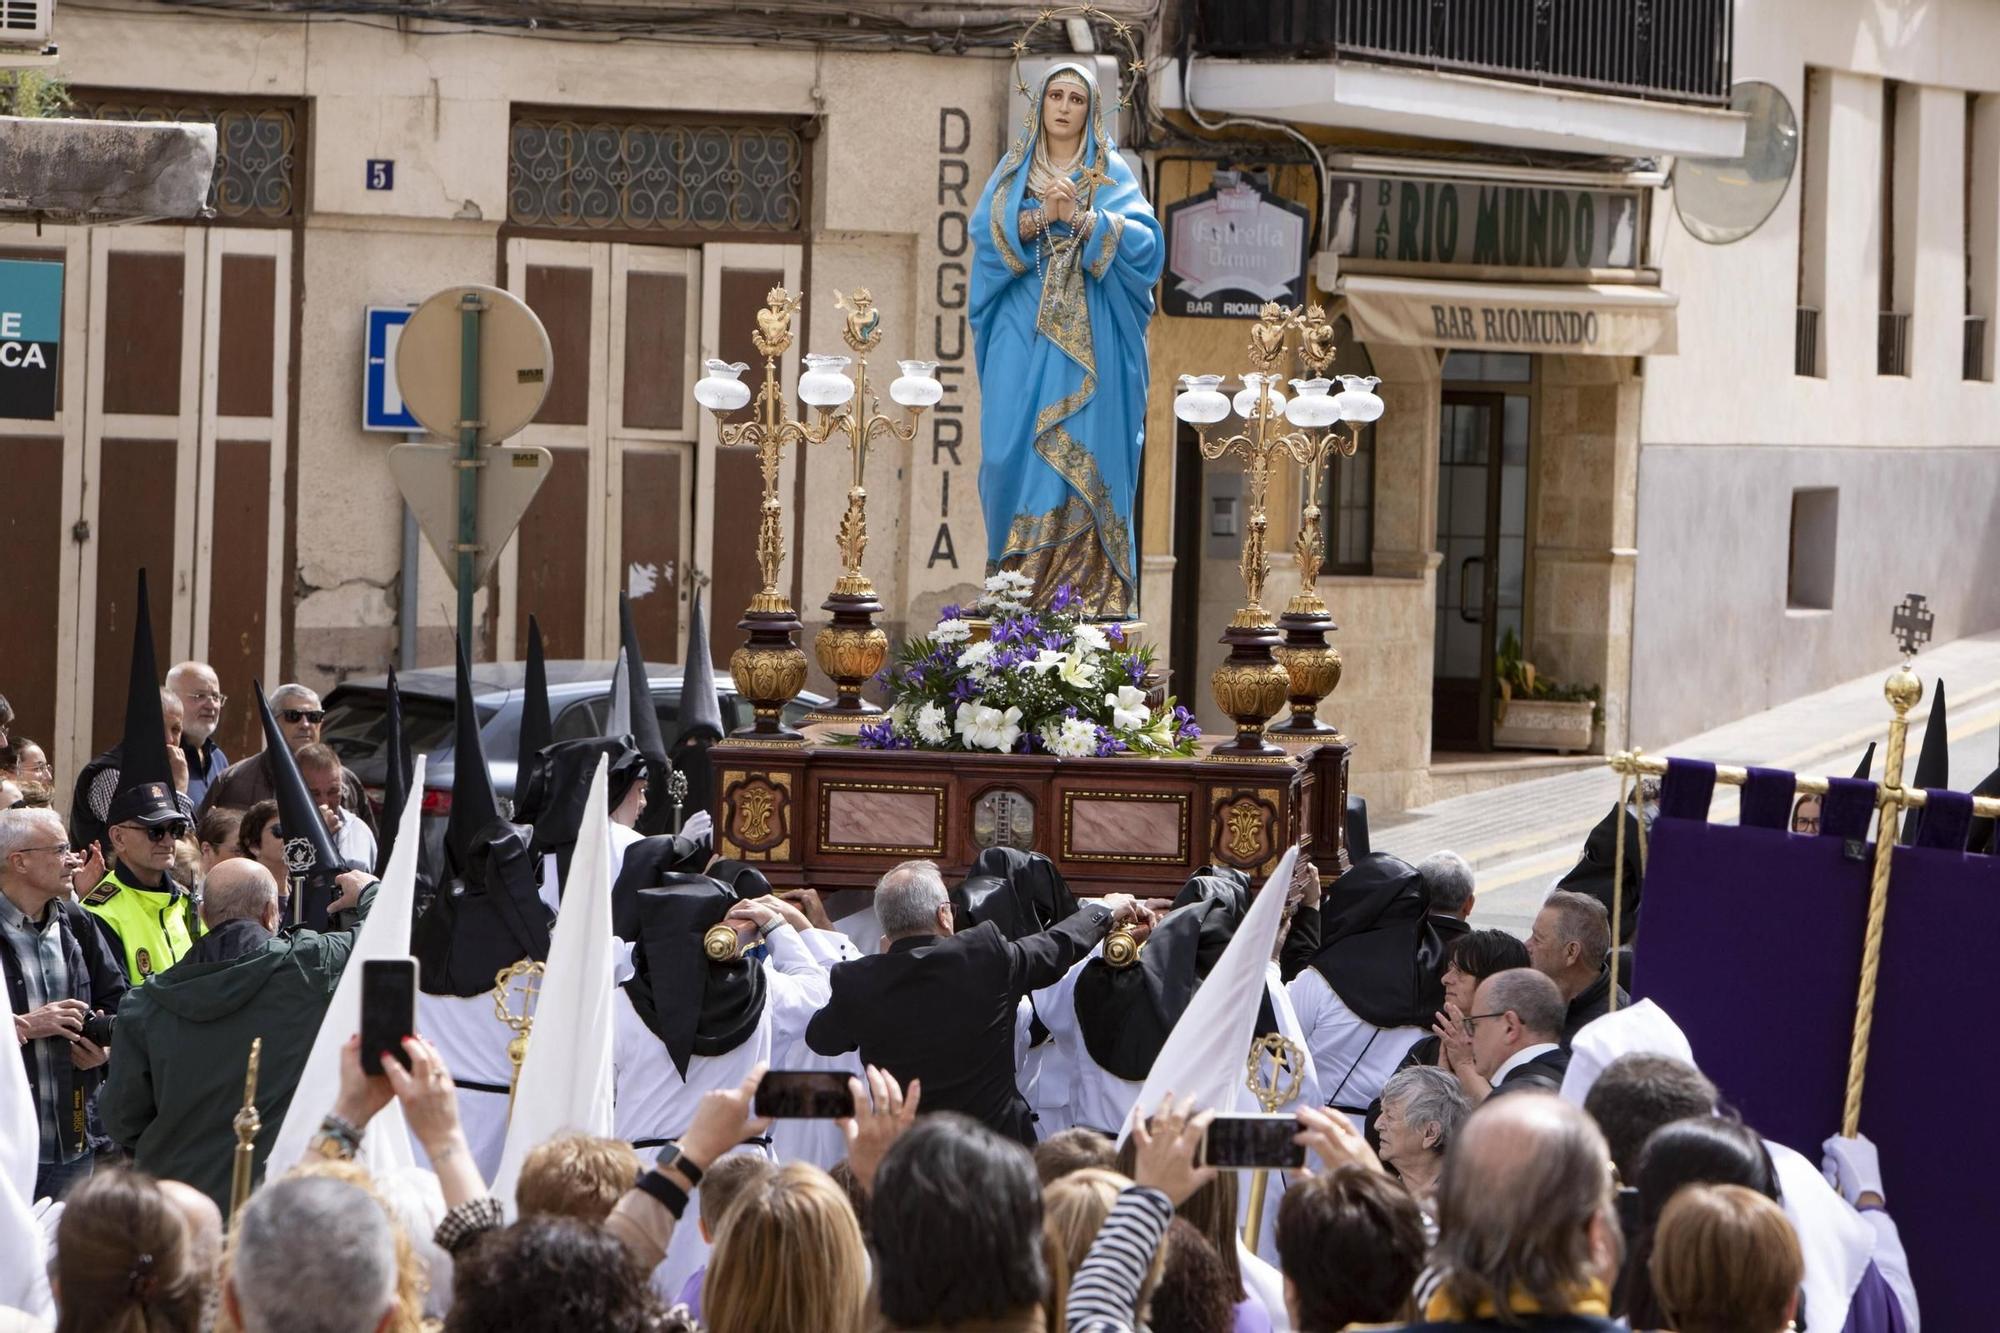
x=1232 y=249
x=1407 y=220
x=30 y=336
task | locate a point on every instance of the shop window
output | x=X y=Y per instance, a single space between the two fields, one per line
x=1815 y=527
x=1347 y=495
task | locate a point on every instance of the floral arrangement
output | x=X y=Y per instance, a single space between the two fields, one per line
x=1042 y=682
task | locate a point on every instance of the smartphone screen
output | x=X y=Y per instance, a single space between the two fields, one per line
x=388 y=1010
x=799 y=1094
x=1246 y=1142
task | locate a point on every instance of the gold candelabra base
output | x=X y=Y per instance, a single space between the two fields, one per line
x=851 y=649
x=1312 y=667
x=1250 y=685
x=769 y=670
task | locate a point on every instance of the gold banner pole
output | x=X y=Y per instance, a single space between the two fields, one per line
x=247 y=1123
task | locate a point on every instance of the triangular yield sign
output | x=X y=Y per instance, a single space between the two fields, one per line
x=512 y=475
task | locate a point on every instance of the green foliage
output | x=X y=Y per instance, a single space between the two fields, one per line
x=1519 y=679
x=33 y=94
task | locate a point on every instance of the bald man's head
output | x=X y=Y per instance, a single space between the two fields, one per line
x=239 y=890
x=1525 y=1204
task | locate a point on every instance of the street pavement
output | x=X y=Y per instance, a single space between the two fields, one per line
x=1522 y=838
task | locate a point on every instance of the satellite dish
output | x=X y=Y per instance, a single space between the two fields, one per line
x=1724 y=199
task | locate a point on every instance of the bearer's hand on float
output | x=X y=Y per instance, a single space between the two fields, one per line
x=811 y=905
x=1305 y=882
x=756 y=912
x=789 y=913
x=1125 y=909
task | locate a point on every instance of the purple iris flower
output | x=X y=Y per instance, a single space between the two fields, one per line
x=1065 y=599
x=964 y=689
x=1107 y=744
x=951 y=612
x=1136 y=670
x=882 y=736
x=1115 y=633
x=1185 y=727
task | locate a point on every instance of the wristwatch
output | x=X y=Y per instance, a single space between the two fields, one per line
x=682 y=1163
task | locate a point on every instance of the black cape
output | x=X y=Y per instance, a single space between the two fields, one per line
x=650 y=863
x=695 y=1006
x=1380 y=949
x=1592 y=873
x=559 y=788
x=487 y=920
x=1021 y=892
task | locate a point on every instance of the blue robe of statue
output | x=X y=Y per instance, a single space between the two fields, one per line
x=1059 y=331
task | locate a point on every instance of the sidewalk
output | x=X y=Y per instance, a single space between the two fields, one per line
x=1521 y=838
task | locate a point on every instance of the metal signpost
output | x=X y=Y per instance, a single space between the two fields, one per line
x=473 y=366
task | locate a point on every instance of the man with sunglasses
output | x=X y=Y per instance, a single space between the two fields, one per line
x=149 y=920
x=61 y=985
x=248 y=781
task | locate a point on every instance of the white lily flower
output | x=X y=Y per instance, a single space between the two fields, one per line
x=1128 y=708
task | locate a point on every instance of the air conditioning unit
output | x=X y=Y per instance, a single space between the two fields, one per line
x=26 y=24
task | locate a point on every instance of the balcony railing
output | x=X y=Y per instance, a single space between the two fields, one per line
x=1670 y=50
x=1892 y=343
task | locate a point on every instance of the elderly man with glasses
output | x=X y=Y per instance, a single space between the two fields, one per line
x=248 y=781
x=61 y=986
x=201 y=695
x=149 y=920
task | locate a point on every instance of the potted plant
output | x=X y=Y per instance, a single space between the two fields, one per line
x=1534 y=712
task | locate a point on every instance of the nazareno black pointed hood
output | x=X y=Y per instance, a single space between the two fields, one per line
x=397 y=774
x=701 y=718
x=537 y=731
x=310 y=857
x=694 y=1004
x=1126 y=1013
x=645 y=726
x=489 y=915
x=650 y=863
x=1593 y=872
x=1380 y=950
x=559 y=788
x=1021 y=892
x=1933 y=761
x=1867 y=762
x=142 y=752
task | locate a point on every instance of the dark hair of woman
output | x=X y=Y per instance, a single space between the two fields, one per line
x=550 y=1275
x=1701 y=1150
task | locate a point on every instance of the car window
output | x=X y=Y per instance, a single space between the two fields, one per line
x=357 y=724
x=580 y=721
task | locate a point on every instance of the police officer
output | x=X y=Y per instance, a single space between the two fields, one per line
x=148 y=919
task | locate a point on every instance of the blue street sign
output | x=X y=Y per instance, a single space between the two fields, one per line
x=381 y=173
x=30 y=337
x=381 y=400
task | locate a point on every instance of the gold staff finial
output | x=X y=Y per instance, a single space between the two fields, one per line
x=529 y=974
x=247 y=1124
x=1277 y=1070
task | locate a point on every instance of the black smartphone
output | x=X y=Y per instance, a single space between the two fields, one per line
x=388 y=1010
x=1248 y=1142
x=804 y=1094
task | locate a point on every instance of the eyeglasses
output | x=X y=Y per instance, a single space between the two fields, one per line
x=61 y=847
x=208 y=697
x=159 y=833
x=1472 y=1019
x=298 y=715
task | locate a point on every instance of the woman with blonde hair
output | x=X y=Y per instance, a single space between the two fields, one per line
x=1725 y=1260
x=790 y=1260
x=126 y=1260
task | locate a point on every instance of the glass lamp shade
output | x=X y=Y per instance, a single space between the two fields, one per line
x=722 y=389
x=1312 y=408
x=1199 y=403
x=1246 y=397
x=917 y=386
x=825 y=383
x=1357 y=401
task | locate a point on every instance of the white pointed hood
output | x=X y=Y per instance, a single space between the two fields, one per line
x=566 y=1076
x=1205 y=1053
x=385 y=1145
x=1642 y=1028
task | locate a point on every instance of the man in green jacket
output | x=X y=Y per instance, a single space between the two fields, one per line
x=183 y=1039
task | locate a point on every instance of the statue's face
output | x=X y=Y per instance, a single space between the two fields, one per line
x=1065 y=108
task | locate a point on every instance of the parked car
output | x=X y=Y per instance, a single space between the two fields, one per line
x=357 y=717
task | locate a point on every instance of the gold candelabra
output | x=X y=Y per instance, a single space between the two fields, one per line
x=852 y=648
x=247 y=1123
x=770 y=669
x=1263 y=669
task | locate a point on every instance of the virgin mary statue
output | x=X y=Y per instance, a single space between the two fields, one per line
x=1066 y=252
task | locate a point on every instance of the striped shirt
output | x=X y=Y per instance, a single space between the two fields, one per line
x=1104 y=1295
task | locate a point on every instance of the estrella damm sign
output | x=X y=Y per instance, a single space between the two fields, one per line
x=30 y=336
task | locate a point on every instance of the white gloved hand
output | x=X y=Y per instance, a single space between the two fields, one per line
x=1853 y=1167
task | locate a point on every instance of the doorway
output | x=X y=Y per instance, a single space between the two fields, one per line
x=1482 y=521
